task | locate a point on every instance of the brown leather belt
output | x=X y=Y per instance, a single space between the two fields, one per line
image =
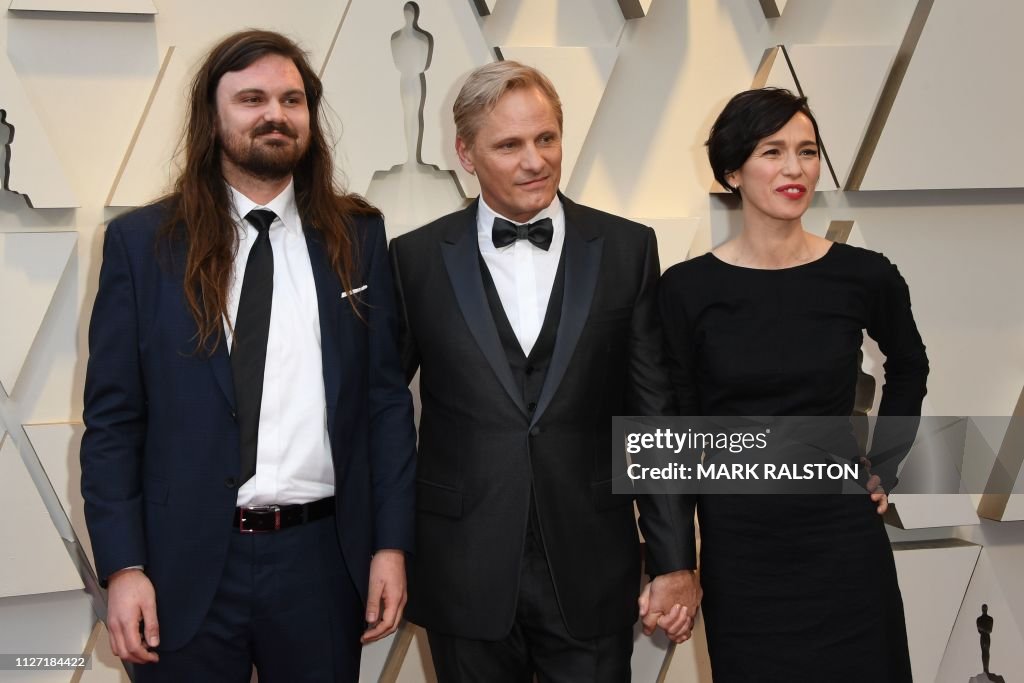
x=263 y=518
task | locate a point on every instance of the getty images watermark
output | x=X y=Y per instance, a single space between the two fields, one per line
x=797 y=455
x=714 y=470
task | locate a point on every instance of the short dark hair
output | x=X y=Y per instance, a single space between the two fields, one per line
x=748 y=118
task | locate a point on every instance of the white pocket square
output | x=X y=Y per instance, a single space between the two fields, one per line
x=354 y=291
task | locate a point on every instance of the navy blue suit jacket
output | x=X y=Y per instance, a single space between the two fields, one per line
x=160 y=455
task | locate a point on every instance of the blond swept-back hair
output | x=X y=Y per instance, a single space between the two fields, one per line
x=486 y=85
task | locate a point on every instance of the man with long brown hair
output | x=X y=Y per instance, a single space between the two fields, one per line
x=249 y=439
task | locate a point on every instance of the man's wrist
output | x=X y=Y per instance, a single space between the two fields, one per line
x=125 y=570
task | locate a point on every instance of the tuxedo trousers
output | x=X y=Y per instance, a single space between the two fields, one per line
x=539 y=643
x=285 y=604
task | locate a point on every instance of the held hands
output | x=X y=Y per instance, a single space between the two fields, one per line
x=670 y=601
x=387 y=591
x=130 y=600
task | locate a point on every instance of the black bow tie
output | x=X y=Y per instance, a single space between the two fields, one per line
x=504 y=233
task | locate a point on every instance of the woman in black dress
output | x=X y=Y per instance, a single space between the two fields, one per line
x=797 y=587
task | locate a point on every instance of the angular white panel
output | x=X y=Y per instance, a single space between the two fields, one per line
x=1014 y=510
x=57 y=446
x=34 y=169
x=686 y=663
x=843 y=84
x=931 y=605
x=781 y=75
x=485 y=7
x=675 y=238
x=149 y=164
x=962 y=660
x=920 y=511
x=650 y=654
x=31 y=265
x=952 y=121
x=775 y=72
x=52 y=623
x=635 y=9
x=92 y=6
x=365 y=39
x=33 y=558
x=773 y=9
x=459 y=47
x=106 y=668
x=1007 y=471
x=375 y=656
x=145 y=170
x=580 y=75
x=417 y=665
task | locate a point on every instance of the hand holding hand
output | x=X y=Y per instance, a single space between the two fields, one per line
x=670 y=602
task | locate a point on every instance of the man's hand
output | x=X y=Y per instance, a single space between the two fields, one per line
x=671 y=601
x=130 y=600
x=387 y=591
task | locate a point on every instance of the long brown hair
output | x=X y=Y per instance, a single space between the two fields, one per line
x=200 y=204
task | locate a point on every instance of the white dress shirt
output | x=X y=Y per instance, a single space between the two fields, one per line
x=293 y=454
x=523 y=273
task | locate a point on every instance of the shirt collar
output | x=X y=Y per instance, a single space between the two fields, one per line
x=485 y=216
x=283 y=205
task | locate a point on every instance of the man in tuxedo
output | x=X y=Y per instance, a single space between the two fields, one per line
x=531 y=320
x=249 y=439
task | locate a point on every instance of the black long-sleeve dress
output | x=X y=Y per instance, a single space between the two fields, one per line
x=798 y=587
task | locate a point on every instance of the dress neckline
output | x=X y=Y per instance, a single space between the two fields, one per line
x=821 y=258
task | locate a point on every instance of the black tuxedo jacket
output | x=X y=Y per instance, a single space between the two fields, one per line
x=160 y=454
x=481 y=450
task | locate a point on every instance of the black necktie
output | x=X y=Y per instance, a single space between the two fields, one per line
x=249 y=349
x=504 y=233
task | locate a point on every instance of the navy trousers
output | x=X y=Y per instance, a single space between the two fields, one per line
x=285 y=604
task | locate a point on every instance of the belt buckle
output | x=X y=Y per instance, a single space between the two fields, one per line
x=276 y=509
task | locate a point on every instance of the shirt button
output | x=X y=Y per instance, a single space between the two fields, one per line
x=535 y=431
x=229 y=483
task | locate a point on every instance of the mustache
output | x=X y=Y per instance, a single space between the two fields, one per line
x=274 y=127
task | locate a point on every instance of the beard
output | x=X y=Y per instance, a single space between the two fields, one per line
x=265 y=159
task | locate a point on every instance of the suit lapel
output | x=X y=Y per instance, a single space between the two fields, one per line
x=583 y=247
x=462 y=260
x=220 y=361
x=327 y=293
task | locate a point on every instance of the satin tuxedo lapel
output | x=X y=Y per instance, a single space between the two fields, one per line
x=583 y=249
x=328 y=295
x=462 y=260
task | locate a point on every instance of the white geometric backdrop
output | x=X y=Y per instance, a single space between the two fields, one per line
x=919 y=105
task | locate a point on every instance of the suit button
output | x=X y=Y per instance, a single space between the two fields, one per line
x=532 y=406
x=529 y=369
x=229 y=482
x=234 y=416
x=535 y=431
